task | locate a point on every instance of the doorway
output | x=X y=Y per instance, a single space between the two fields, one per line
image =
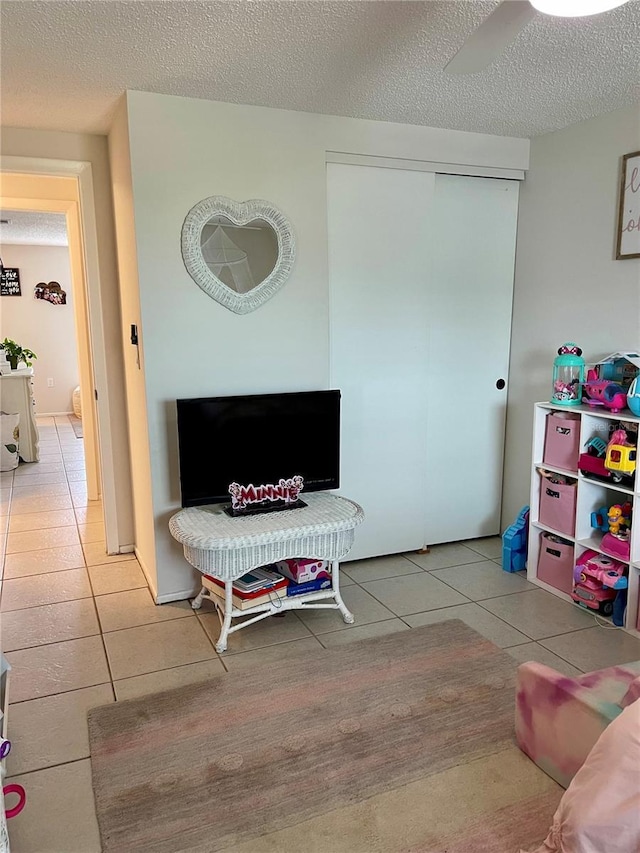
x=60 y=195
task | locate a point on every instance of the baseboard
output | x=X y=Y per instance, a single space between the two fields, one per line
x=175 y=596
x=52 y=414
x=147 y=574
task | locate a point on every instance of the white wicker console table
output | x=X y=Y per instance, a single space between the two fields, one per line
x=226 y=548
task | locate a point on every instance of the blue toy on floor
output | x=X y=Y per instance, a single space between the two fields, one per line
x=514 y=543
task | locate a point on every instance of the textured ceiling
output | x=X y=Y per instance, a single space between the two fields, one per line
x=64 y=64
x=38 y=229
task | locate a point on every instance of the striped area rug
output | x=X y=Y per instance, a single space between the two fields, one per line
x=402 y=743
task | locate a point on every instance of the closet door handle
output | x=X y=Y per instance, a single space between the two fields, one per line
x=500 y=384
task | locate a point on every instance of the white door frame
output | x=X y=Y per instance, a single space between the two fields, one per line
x=90 y=282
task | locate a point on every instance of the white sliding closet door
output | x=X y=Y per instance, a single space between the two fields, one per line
x=379 y=223
x=469 y=316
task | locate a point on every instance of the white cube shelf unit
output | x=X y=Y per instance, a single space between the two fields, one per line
x=591 y=495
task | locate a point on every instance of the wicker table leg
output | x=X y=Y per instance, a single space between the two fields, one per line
x=347 y=615
x=196 y=604
x=221 y=645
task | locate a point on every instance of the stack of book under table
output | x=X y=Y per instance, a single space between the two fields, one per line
x=267 y=585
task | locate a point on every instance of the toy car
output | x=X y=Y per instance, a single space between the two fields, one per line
x=621 y=461
x=593 y=595
x=599 y=567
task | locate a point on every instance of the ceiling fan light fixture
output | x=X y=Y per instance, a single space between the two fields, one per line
x=575 y=8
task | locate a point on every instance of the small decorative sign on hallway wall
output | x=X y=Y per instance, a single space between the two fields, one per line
x=629 y=210
x=10 y=282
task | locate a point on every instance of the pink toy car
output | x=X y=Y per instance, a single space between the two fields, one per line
x=592 y=594
x=608 y=572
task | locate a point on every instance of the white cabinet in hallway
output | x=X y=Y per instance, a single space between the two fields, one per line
x=421 y=283
x=16 y=396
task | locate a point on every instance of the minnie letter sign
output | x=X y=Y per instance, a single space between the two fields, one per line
x=246 y=499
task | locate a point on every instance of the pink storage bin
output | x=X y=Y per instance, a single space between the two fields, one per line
x=555 y=563
x=558 y=506
x=562 y=440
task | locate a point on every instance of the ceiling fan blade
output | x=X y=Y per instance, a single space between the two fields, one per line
x=487 y=42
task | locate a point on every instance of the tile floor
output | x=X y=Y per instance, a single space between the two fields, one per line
x=80 y=629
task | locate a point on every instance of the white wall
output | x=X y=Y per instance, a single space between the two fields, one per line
x=53 y=145
x=183 y=150
x=568 y=287
x=133 y=357
x=46 y=329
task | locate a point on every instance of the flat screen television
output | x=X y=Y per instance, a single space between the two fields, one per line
x=259 y=439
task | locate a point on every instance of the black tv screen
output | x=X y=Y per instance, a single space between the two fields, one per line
x=259 y=439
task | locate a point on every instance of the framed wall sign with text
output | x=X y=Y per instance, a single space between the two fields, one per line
x=10 y=282
x=628 y=245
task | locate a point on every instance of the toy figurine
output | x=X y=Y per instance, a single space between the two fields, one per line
x=615 y=519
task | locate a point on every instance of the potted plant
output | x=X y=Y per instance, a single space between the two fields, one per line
x=15 y=353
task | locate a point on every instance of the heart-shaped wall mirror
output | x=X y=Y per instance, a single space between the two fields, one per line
x=239 y=253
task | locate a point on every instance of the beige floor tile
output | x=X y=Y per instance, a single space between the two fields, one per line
x=494 y=629
x=362 y=571
x=273 y=629
x=76 y=476
x=362 y=632
x=39 y=490
x=4 y=507
x=149 y=648
x=41 y=479
x=539 y=613
x=482 y=580
x=43 y=562
x=272 y=654
x=595 y=648
x=92 y=532
x=51 y=457
x=27 y=504
x=40 y=468
x=167 y=679
x=53 y=730
x=96 y=554
x=41 y=520
x=6 y=479
x=116 y=577
x=442 y=556
x=60 y=813
x=74 y=464
x=134 y=607
x=49 y=623
x=90 y=514
x=73 y=461
x=414 y=593
x=79 y=494
x=57 y=667
x=45 y=589
x=489 y=546
x=538 y=653
x=45 y=538
x=364 y=607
